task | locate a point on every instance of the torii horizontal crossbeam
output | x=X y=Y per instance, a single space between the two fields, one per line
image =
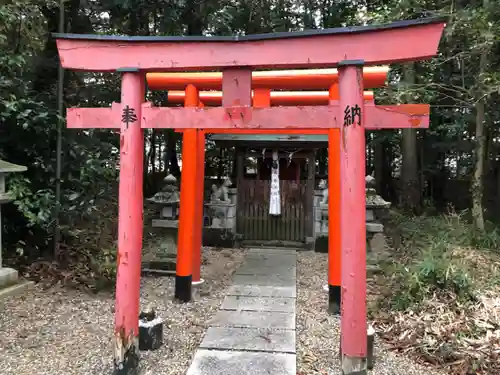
x=277 y=98
x=312 y=79
x=323 y=117
x=375 y=45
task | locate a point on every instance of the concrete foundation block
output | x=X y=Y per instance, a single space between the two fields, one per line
x=216 y=222
x=317 y=213
x=230 y=223
x=369 y=215
x=370 y=358
x=231 y=211
x=324 y=227
x=374 y=227
x=150 y=331
x=8 y=276
x=218 y=237
x=317 y=227
x=321 y=244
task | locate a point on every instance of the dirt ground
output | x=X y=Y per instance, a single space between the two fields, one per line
x=60 y=331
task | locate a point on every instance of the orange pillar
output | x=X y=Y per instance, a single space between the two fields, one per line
x=187 y=216
x=198 y=229
x=334 y=265
x=353 y=225
x=130 y=224
x=261 y=98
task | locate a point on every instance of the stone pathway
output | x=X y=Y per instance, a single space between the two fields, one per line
x=254 y=330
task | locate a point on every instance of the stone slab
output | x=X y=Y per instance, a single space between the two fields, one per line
x=253 y=319
x=262 y=291
x=269 y=265
x=278 y=304
x=281 y=272
x=263 y=280
x=272 y=260
x=8 y=276
x=15 y=289
x=251 y=339
x=271 y=251
x=270 y=256
x=221 y=362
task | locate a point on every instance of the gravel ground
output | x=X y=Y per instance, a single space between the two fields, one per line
x=60 y=331
x=318 y=333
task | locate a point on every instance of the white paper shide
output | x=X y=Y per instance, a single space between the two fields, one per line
x=275 y=201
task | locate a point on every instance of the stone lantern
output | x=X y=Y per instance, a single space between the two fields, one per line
x=8 y=276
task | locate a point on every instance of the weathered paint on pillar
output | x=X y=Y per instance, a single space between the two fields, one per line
x=236 y=89
x=130 y=224
x=200 y=183
x=353 y=226
x=334 y=233
x=187 y=216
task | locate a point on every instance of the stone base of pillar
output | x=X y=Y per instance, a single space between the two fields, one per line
x=196 y=283
x=150 y=334
x=353 y=366
x=334 y=299
x=369 y=361
x=130 y=363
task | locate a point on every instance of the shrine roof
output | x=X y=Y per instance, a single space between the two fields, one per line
x=255 y=37
x=260 y=138
x=6 y=167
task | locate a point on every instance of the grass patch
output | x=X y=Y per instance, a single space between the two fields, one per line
x=440 y=255
x=438 y=292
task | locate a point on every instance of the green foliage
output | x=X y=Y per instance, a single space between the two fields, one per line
x=36 y=206
x=28 y=117
x=432 y=272
x=28 y=136
x=433 y=260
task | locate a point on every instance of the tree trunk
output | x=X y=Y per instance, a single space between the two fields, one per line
x=322 y=156
x=220 y=167
x=171 y=161
x=382 y=164
x=152 y=150
x=477 y=182
x=410 y=197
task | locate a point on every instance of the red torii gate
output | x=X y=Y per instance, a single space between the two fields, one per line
x=348 y=49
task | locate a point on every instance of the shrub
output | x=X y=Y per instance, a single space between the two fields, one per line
x=430 y=262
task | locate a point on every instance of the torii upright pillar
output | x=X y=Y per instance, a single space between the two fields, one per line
x=352 y=220
x=188 y=210
x=198 y=229
x=334 y=213
x=130 y=224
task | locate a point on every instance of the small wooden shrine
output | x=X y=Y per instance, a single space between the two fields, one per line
x=303 y=218
x=278 y=212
